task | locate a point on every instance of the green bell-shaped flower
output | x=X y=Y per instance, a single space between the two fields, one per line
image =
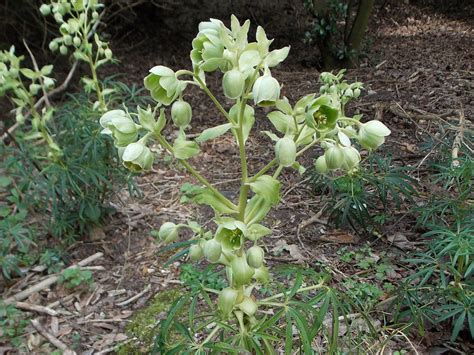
x=285 y=150
x=45 y=9
x=334 y=157
x=233 y=84
x=266 y=90
x=241 y=271
x=227 y=300
x=351 y=158
x=320 y=165
x=208 y=48
x=212 y=250
x=120 y=126
x=181 y=113
x=163 y=85
x=262 y=275
x=322 y=113
x=248 y=306
x=168 y=232
x=372 y=134
x=137 y=157
x=255 y=256
x=195 y=252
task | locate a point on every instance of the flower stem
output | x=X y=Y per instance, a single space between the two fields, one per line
x=196 y=174
x=213 y=98
x=283 y=294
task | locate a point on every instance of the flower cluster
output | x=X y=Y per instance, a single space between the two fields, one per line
x=24 y=86
x=246 y=66
x=77 y=21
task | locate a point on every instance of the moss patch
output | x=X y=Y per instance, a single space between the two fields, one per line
x=143 y=326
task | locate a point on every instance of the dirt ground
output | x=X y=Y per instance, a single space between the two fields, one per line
x=418 y=70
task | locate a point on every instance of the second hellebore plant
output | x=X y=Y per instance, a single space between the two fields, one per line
x=237 y=241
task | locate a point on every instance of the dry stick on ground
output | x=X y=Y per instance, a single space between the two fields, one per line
x=49 y=281
x=458 y=140
x=35 y=308
x=137 y=296
x=51 y=338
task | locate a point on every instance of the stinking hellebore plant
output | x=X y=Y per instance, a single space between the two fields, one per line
x=237 y=241
x=77 y=21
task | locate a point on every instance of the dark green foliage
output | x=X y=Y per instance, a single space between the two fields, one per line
x=441 y=290
x=196 y=278
x=12 y=324
x=355 y=199
x=75 y=187
x=15 y=235
x=75 y=277
x=295 y=319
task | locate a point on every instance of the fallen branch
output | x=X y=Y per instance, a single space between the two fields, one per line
x=49 y=281
x=35 y=308
x=137 y=296
x=51 y=338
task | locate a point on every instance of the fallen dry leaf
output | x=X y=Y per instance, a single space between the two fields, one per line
x=400 y=241
x=294 y=251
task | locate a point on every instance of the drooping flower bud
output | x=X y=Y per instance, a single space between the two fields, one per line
x=261 y=275
x=137 y=157
x=227 y=300
x=34 y=88
x=266 y=90
x=320 y=165
x=121 y=126
x=241 y=271
x=108 y=53
x=195 y=252
x=334 y=157
x=372 y=134
x=351 y=158
x=285 y=150
x=233 y=84
x=163 y=84
x=63 y=50
x=181 y=113
x=248 y=306
x=212 y=250
x=255 y=256
x=53 y=46
x=76 y=41
x=168 y=232
x=45 y=9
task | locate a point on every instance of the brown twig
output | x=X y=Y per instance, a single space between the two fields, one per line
x=137 y=296
x=51 y=338
x=49 y=281
x=35 y=308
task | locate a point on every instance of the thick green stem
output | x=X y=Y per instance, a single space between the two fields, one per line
x=196 y=174
x=211 y=335
x=244 y=188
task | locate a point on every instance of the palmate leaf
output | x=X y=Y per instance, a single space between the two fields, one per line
x=160 y=339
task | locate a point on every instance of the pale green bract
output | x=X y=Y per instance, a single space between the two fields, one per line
x=236 y=239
